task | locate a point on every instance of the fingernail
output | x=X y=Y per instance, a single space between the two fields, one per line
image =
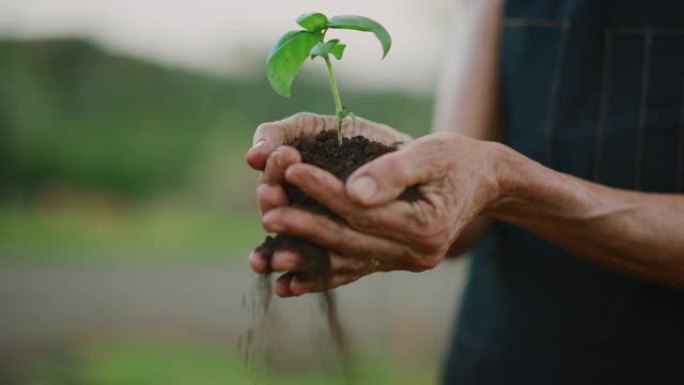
x=364 y=188
x=268 y=221
x=275 y=227
x=279 y=161
x=257 y=144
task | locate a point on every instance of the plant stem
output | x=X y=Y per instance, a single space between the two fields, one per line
x=336 y=97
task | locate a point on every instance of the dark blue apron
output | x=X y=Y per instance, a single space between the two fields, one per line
x=593 y=88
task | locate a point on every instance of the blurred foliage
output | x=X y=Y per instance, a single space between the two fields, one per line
x=109 y=157
x=160 y=232
x=104 y=156
x=75 y=116
x=151 y=362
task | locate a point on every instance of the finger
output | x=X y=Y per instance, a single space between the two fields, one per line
x=256 y=156
x=279 y=160
x=258 y=263
x=269 y=136
x=302 y=284
x=266 y=139
x=321 y=185
x=344 y=270
x=282 y=285
x=270 y=192
x=330 y=234
x=286 y=260
x=340 y=264
x=396 y=220
x=270 y=196
x=385 y=178
x=382 y=180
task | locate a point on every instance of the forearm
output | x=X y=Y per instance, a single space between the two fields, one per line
x=638 y=233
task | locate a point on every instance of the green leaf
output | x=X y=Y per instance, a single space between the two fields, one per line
x=345 y=112
x=332 y=47
x=286 y=59
x=338 y=51
x=312 y=22
x=360 y=23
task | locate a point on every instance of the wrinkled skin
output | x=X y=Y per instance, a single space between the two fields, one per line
x=457 y=176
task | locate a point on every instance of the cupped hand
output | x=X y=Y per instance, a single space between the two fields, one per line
x=270 y=155
x=269 y=136
x=458 y=178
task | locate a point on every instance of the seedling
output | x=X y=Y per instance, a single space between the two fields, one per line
x=291 y=51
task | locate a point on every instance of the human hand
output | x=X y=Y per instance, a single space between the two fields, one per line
x=458 y=177
x=270 y=155
x=269 y=136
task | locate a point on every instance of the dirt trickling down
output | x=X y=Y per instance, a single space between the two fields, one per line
x=324 y=152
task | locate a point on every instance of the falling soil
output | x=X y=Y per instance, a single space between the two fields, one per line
x=341 y=160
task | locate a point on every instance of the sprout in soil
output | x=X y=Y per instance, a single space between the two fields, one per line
x=292 y=49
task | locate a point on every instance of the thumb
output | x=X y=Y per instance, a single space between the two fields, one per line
x=384 y=179
x=266 y=139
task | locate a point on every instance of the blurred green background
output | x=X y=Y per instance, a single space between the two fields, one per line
x=127 y=214
x=107 y=152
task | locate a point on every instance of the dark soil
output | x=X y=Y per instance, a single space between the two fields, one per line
x=323 y=151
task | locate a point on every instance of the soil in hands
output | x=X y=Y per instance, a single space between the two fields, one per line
x=324 y=152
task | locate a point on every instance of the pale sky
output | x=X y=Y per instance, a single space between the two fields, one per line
x=217 y=35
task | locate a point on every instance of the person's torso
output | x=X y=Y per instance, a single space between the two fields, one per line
x=592 y=88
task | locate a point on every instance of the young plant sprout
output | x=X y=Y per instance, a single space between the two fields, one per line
x=292 y=49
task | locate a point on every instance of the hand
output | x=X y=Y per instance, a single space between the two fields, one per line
x=458 y=177
x=270 y=136
x=269 y=155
